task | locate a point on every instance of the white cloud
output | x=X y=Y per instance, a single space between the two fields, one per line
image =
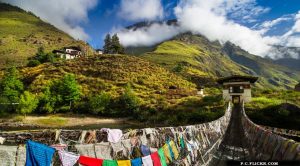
x=267 y=25
x=137 y=10
x=292 y=37
x=148 y=35
x=244 y=10
x=65 y=15
x=208 y=18
x=212 y=19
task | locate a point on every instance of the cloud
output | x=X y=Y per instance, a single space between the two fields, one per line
x=137 y=10
x=208 y=18
x=245 y=11
x=268 y=25
x=147 y=36
x=65 y=15
x=216 y=20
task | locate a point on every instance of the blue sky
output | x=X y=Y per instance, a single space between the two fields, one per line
x=252 y=24
x=103 y=17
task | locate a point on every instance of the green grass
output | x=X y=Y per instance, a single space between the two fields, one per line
x=51 y=121
x=21 y=33
x=269 y=108
x=202 y=61
x=177 y=48
x=263 y=102
x=110 y=73
x=201 y=64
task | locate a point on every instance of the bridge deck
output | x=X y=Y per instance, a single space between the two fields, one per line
x=234 y=144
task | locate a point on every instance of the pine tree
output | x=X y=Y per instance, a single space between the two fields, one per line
x=117 y=48
x=107 y=44
x=69 y=89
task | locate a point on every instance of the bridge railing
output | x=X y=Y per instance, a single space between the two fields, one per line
x=200 y=141
x=284 y=132
x=265 y=145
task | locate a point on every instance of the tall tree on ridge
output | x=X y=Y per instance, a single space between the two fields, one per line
x=117 y=48
x=107 y=44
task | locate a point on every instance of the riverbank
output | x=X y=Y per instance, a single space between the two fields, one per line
x=65 y=121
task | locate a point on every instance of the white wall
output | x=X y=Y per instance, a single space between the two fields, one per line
x=226 y=95
x=66 y=56
x=246 y=96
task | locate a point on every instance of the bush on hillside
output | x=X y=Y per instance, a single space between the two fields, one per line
x=33 y=63
x=42 y=57
x=47 y=101
x=129 y=102
x=99 y=104
x=11 y=85
x=28 y=103
x=4 y=105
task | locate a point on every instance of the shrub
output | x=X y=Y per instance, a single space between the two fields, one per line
x=33 y=63
x=178 y=68
x=213 y=100
x=129 y=102
x=11 y=86
x=47 y=101
x=4 y=105
x=28 y=103
x=99 y=104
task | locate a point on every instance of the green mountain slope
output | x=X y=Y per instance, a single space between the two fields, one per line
x=111 y=73
x=272 y=75
x=202 y=61
x=21 y=33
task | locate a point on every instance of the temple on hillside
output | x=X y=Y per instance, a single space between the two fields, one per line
x=237 y=88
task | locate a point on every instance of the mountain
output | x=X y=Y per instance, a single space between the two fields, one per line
x=202 y=61
x=110 y=73
x=272 y=75
x=22 y=33
x=287 y=56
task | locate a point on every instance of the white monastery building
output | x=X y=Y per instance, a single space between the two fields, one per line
x=237 y=88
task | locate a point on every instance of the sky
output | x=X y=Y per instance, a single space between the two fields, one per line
x=254 y=25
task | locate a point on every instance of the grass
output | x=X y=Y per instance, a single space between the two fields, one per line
x=51 y=121
x=263 y=102
x=21 y=33
x=269 y=108
x=202 y=61
x=110 y=73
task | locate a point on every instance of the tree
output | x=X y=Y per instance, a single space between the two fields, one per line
x=47 y=101
x=117 y=48
x=28 y=103
x=107 y=44
x=129 y=101
x=41 y=57
x=69 y=89
x=11 y=86
x=98 y=104
x=112 y=45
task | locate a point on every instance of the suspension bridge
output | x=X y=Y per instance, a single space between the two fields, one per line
x=232 y=137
